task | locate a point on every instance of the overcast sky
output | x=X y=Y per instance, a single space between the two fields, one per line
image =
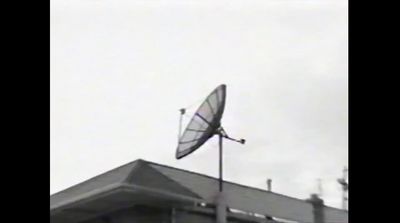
x=120 y=70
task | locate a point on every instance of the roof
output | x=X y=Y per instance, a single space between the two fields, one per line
x=144 y=181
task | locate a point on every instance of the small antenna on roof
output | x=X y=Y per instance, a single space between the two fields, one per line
x=269 y=184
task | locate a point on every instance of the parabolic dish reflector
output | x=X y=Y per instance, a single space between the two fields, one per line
x=204 y=123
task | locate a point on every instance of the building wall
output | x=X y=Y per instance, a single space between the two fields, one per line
x=158 y=215
x=135 y=215
x=185 y=217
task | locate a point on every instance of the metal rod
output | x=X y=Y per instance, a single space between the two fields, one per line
x=202 y=118
x=220 y=163
x=173 y=215
x=343 y=199
x=242 y=141
x=344 y=188
x=180 y=123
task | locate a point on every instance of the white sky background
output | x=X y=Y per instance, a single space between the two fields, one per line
x=120 y=70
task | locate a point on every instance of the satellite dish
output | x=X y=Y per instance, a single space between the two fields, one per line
x=204 y=123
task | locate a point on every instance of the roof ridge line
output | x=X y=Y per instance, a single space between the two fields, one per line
x=142 y=163
x=183 y=186
x=134 y=169
x=230 y=182
x=97 y=176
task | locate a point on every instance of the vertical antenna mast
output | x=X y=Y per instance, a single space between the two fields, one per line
x=345 y=186
x=320 y=192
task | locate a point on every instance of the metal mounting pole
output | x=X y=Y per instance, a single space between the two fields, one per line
x=220 y=163
x=221 y=206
